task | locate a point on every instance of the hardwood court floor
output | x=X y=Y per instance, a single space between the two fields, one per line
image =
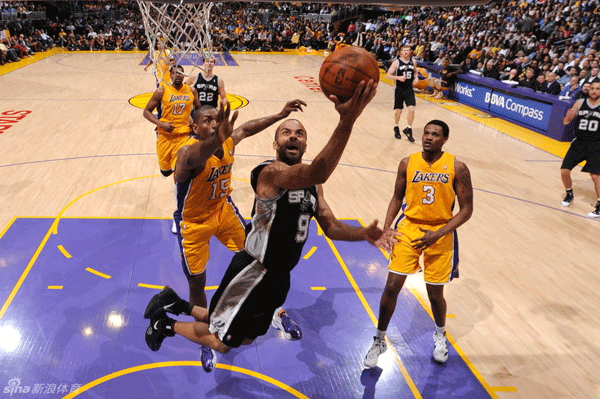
x=524 y=311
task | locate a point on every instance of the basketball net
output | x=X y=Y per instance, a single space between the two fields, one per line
x=176 y=32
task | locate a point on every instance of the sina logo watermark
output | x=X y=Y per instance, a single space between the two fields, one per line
x=14 y=386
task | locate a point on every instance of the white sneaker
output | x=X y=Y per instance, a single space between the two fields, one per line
x=440 y=347
x=174 y=227
x=379 y=346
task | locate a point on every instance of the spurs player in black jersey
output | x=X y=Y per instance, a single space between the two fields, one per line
x=288 y=194
x=404 y=71
x=586 y=145
x=208 y=85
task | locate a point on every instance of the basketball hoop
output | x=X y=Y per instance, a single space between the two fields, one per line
x=176 y=32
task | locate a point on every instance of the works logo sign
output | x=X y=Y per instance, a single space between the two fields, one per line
x=464 y=90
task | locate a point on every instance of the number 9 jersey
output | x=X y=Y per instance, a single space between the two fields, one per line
x=429 y=189
x=279 y=225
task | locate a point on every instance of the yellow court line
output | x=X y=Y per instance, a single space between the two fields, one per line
x=97 y=273
x=151 y=366
x=55 y=287
x=318 y=288
x=505 y=389
x=464 y=357
x=309 y=253
x=13 y=66
x=52 y=230
x=64 y=251
x=24 y=274
x=54 y=227
x=363 y=300
x=8 y=226
x=158 y=287
x=244 y=180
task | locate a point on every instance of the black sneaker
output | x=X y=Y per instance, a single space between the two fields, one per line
x=160 y=328
x=165 y=301
x=409 y=135
x=568 y=199
x=397 y=133
x=596 y=212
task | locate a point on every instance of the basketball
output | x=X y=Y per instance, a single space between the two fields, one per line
x=344 y=69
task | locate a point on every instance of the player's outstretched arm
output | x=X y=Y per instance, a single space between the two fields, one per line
x=337 y=230
x=254 y=126
x=191 y=159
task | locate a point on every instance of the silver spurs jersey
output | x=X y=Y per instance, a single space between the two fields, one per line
x=279 y=226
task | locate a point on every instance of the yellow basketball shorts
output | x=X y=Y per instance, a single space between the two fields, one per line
x=227 y=226
x=167 y=147
x=440 y=260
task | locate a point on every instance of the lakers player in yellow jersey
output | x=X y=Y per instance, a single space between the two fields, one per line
x=177 y=101
x=164 y=61
x=428 y=181
x=204 y=207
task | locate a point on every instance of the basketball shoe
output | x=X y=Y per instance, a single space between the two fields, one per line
x=568 y=198
x=409 y=135
x=596 y=212
x=440 y=347
x=161 y=326
x=379 y=346
x=166 y=300
x=208 y=358
x=283 y=322
x=397 y=133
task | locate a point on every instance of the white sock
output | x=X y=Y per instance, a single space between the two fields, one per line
x=440 y=330
x=380 y=334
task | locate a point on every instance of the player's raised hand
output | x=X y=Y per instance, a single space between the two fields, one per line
x=292 y=106
x=224 y=124
x=351 y=109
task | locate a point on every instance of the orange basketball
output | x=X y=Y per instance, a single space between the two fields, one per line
x=344 y=69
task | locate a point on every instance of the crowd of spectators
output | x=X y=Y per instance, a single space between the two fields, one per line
x=546 y=45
